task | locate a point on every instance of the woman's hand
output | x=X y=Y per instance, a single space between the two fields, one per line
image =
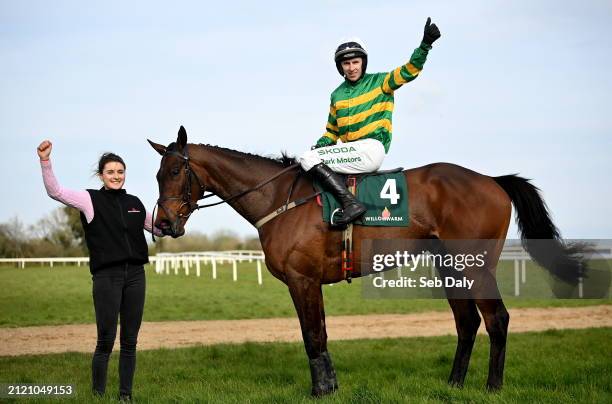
x=44 y=150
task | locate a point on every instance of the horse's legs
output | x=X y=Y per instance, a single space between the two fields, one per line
x=467 y=322
x=308 y=300
x=487 y=298
x=496 y=320
x=466 y=316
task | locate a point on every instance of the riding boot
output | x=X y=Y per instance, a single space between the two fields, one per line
x=332 y=182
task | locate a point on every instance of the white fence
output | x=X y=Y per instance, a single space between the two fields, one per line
x=21 y=262
x=166 y=263
x=520 y=258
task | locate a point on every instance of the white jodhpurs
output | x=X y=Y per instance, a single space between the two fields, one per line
x=360 y=156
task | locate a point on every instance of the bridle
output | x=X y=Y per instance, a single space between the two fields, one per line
x=186 y=197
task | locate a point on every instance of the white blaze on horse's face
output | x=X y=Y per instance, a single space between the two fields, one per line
x=113 y=175
x=352 y=68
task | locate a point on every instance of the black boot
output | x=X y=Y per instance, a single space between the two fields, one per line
x=332 y=182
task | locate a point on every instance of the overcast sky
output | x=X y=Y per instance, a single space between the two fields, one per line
x=511 y=87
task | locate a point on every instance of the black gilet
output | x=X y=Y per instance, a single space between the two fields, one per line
x=115 y=235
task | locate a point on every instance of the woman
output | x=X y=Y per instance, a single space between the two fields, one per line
x=113 y=221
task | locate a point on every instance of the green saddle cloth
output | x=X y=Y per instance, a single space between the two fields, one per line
x=384 y=195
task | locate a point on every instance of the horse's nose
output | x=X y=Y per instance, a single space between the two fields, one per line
x=165 y=227
x=177 y=233
x=171 y=229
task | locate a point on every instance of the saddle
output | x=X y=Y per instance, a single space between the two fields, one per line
x=371 y=189
x=384 y=193
x=368 y=184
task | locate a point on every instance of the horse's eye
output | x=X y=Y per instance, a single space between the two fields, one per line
x=175 y=171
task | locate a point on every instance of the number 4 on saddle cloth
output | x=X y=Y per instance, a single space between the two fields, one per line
x=384 y=194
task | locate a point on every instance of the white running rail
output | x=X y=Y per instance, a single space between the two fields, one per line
x=165 y=263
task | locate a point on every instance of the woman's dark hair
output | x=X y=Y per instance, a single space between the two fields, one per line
x=107 y=158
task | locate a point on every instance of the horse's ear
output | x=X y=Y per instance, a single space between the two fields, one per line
x=158 y=147
x=181 y=140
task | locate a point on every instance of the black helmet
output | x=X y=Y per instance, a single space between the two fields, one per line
x=350 y=50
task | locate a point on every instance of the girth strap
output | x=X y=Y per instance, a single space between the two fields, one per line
x=283 y=209
x=347 y=257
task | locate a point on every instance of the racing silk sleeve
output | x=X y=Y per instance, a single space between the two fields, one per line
x=408 y=72
x=80 y=200
x=331 y=134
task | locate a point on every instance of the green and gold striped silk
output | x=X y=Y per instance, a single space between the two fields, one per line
x=364 y=109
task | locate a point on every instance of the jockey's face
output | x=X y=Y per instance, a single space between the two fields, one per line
x=113 y=175
x=352 y=68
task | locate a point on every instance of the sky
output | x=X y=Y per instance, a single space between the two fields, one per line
x=510 y=87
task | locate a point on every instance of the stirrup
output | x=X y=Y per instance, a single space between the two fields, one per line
x=331 y=218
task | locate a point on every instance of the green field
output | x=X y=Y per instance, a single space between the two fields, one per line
x=553 y=366
x=549 y=367
x=62 y=295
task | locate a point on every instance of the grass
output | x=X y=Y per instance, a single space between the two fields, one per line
x=62 y=295
x=550 y=367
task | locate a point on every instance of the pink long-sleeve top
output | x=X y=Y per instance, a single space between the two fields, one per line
x=80 y=200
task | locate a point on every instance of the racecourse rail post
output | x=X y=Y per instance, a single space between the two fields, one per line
x=259 y=279
x=517 y=278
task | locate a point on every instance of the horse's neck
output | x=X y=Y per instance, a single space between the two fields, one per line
x=228 y=173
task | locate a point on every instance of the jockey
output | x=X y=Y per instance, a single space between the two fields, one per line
x=360 y=116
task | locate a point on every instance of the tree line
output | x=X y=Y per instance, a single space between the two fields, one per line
x=60 y=234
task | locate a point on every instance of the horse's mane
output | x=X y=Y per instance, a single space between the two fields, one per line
x=284 y=160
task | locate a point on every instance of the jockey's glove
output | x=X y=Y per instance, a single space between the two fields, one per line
x=431 y=32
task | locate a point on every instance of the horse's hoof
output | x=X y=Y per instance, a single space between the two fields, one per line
x=320 y=391
x=323 y=376
x=456 y=384
x=494 y=387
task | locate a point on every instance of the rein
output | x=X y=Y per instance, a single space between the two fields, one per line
x=186 y=197
x=256 y=187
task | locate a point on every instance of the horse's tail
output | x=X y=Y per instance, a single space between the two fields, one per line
x=539 y=235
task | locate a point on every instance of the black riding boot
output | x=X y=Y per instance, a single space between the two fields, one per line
x=332 y=182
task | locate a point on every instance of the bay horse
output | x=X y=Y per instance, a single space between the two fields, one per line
x=447 y=202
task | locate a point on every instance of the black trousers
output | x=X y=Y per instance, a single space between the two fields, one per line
x=117 y=292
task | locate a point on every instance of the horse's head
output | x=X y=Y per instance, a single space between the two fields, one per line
x=179 y=186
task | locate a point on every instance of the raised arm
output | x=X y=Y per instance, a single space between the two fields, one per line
x=80 y=200
x=408 y=72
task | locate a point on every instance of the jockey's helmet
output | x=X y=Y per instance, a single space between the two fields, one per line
x=350 y=50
